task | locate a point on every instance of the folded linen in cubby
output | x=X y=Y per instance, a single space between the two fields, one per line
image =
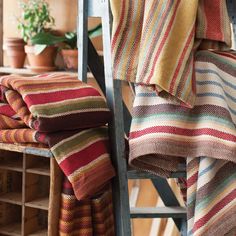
x=69 y=116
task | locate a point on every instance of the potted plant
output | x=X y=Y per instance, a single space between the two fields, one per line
x=36 y=19
x=14 y=48
x=70 y=51
x=66 y=43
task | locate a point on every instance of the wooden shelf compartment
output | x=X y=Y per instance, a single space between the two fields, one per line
x=10 y=221
x=36 y=222
x=42 y=232
x=11 y=187
x=39 y=203
x=26 y=191
x=13 y=197
x=13 y=229
x=37 y=191
x=37 y=165
x=11 y=161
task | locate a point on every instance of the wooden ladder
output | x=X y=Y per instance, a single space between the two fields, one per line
x=102 y=72
x=112 y=89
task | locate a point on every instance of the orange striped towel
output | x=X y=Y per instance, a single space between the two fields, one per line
x=153 y=41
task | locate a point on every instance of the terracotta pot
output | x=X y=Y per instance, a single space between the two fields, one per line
x=15 y=51
x=44 y=59
x=14 y=41
x=70 y=57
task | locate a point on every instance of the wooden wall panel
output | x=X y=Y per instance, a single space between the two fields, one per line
x=64 y=14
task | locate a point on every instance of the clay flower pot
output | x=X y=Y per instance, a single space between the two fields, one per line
x=44 y=60
x=14 y=48
x=70 y=58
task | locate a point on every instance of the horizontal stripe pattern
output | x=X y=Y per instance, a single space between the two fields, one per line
x=69 y=117
x=77 y=106
x=41 y=98
x=164 y=134
x=86 y=217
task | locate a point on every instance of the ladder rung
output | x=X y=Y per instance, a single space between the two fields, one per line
x=134 y=174
x=96 y=8
x=158 y=212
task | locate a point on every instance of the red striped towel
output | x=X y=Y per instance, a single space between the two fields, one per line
x=66 y=114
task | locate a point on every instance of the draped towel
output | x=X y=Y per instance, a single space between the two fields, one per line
x=154 y=41
x=164 y=134
x=65 y=114
x=185 y=103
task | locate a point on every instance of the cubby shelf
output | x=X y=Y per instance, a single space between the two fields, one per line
x=40 y=203
x=13 y=229
x=14 y=166
x=12 y=197
x=40 y=170
x=25 y=188
x=42 y=232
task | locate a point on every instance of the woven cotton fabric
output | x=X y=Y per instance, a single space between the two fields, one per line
x=87 y=217
x=61 y=112
x=164 y=134
x=184 y=107
x=154 y=41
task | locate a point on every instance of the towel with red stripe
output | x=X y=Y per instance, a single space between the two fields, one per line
x=61 y=112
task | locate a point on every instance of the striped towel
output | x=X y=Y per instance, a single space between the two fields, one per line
x=87 y=217
x=154 y=41
x=164 y=134
x=65 y=114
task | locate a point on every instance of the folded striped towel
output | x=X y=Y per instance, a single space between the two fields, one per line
x=65 y=114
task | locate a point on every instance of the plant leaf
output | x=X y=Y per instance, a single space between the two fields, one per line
x=97 y=31
x=38 y=48
x=46 y=39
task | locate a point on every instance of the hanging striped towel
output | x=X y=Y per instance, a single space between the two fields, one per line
x=164 y=134
x=154 y=41
x=184 y=107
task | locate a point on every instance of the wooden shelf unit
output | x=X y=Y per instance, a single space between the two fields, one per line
x=25 y=181
x=11 y=229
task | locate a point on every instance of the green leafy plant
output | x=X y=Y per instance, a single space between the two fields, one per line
x=35 y=18
x=68 y=41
